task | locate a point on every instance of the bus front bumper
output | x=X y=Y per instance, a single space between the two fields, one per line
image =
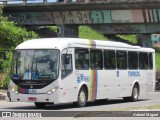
x=19 y=97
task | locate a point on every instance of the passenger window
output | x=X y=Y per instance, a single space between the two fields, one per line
x=96 y=59
x=66 y=65
x=150 y=61
x=109 y=59
x=143 y=61
x=133 y=60
x=121 y=59
x=82 y=59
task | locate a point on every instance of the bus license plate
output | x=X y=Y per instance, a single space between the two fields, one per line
x=32 y=98
x=32 y=91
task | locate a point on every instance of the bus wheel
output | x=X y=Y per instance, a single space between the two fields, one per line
x=135 y=93
x=82 y=97
x=134 y=96
x=40 y=105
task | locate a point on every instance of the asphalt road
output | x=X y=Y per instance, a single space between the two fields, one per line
x=149 y=99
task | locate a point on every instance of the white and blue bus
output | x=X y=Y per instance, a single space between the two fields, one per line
x=64 y=70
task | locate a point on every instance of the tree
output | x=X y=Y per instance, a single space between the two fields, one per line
x=10 y=36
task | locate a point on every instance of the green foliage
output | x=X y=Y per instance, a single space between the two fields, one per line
x=10 y=36
x=6 y=81
x=4 y=64
x=157 y=58
x=88 y=33
x=157 y=49
x=157 y=61
x=131 y=38
x=85 y=32
x=54 y=28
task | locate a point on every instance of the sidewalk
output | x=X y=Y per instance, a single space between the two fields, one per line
x=3 y=94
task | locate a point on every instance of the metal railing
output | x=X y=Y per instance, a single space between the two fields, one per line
x=25 y=2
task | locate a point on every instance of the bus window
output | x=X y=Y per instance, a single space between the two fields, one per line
x=143 y=61
x=66 y=65
x=133 y=60
x=109 y=59
x=121 y=59
x=82 y=59
x=150 y=61
x=96 y=59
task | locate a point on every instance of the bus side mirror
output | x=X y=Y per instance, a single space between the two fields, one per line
x=67 y=59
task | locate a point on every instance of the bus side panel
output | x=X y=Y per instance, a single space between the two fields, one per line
x=147 y=81
x=102 y=79
x=150 y=79
x=152 y=75
x=108 y=84
x=125 y=83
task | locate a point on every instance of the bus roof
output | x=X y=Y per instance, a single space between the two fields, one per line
x=61 y=43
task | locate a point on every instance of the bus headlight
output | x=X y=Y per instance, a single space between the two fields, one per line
x=13 y=90
x=51 y=91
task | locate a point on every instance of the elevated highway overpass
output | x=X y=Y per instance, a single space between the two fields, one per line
x=106 y=16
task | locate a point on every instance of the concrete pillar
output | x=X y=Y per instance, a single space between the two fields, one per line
x=68 y=31
x=5 y=3
x=144 y=40
x=45 y=1
x=24 y=2
x=87 y=1
x=67 y=1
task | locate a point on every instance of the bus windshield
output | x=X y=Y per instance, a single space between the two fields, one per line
x=35 y=65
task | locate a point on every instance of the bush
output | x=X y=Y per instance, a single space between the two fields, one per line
x=157 y=49
x=6 y=81
x=10 y=36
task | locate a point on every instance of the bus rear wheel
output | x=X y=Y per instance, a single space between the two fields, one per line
x=40 y=105
x=135 y=93
x=134 y=96
x=82 y=97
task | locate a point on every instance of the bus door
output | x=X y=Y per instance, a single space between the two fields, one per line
x=67 y=76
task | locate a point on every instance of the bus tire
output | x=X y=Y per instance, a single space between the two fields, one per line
x=135 y=93
x=40 y=104
x=134 y=96
x=82 y=97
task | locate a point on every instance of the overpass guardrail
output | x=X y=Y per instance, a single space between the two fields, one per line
x=26 y=2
